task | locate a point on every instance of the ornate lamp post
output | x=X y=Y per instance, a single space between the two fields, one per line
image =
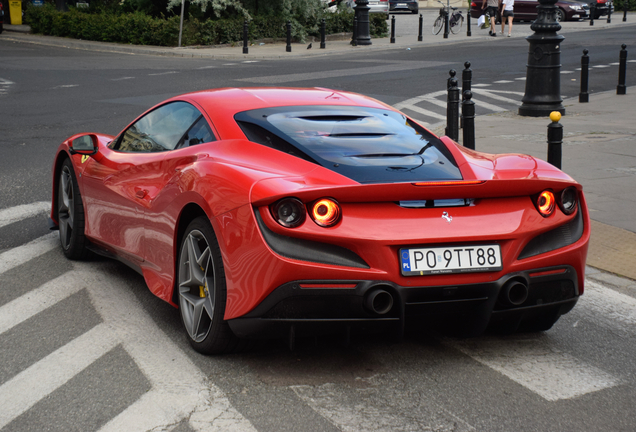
x=543 y=73
x=362 y=13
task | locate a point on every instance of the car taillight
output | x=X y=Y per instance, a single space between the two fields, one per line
x=325 y=212
x=473 y=4
x=289 y=212
x=568 y=200
x=546 y=203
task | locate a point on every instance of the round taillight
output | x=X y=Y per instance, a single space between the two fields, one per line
x=546 y=203
x=325 y=212
x=568 y=200
x=289 y=212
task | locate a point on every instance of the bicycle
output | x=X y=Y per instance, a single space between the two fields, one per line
x=454 y=22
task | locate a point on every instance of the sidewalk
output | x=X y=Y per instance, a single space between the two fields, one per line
x=599 y=149
x=405 y=34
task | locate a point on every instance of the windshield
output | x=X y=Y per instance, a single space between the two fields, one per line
x=368 y=145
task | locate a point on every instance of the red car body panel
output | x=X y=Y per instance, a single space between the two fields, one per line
x=134 y=202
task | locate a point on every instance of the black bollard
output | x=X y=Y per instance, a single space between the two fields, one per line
x=322 y=34
x=624 y=10
x=452 y=74
x=467 y=76
x=468 y=31
x=288 y=47
x=245 y=49
x=621 y=89
x=609 y=12
x=555 y=139
x=446 y=28
x=592 y=12
x=452 y=111
x=468 y=115
x=354 y=41
x=393 y=29
x=419 y=34
x=584 y=96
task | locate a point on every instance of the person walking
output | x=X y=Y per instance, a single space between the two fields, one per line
x=507 y=13
x=491 y=11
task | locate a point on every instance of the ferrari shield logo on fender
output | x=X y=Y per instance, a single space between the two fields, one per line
x=447 y=217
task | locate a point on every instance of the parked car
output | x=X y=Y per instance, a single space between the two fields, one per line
x=1 y=18
x=601 y=7
x=375 y=6
x=526 y=10
x=404 y=5
x=263 y=212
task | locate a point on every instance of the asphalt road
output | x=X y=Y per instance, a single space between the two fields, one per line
x=86 y=346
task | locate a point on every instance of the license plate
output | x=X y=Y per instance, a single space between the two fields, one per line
x=451 y=259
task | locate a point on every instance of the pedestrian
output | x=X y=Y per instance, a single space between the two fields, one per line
x=491 y=11
x=507 y=12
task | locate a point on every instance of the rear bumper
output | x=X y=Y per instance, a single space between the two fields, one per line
x=318 y=305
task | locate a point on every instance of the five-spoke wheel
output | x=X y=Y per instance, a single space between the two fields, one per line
x=202 y=291
x=70 y=213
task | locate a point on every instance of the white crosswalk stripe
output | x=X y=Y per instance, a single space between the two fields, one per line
x=14 y=214
x=14 y=257
x=39 y=380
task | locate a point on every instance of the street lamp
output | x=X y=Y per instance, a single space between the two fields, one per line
x=362 y=13
x=543 y=73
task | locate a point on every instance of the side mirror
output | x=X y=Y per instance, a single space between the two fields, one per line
x=84 y=145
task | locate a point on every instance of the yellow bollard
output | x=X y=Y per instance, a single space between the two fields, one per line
x=15 y=10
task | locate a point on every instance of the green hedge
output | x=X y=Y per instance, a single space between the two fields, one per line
x=140 y=29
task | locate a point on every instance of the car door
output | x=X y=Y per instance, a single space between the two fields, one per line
x=121 y=181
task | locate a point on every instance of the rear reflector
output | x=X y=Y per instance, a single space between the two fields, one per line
x=547 y=273
x=327 y=286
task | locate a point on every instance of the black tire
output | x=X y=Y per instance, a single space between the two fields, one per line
x=202 y=290
x=458 y=25
x=560 y=15
x=415 y=11
x=70 y=214
x=1 y=27
x=438 y=24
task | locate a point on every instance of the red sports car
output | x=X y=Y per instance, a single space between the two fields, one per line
x=274 y=211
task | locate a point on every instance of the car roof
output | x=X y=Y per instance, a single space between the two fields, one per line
x=235 y=100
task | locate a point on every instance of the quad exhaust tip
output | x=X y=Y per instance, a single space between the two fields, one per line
x=379 y=301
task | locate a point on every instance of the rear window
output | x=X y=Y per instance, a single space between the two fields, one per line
x=368 y=145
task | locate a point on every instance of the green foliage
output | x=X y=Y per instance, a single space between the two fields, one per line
x=620 y=4
x=107 y=24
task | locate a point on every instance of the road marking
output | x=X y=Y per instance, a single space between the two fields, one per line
x=17 y=213
x=601 y=66
x=250 y=61
x=631 y=61
x=39 y=380
x=481 y=85
x=567 y=72
x=179 y=388
x=502 y=82
x=163 y=73
x=122 y=78
x=5 y=82
x=425 y=112
x=608 y=308
x=355 y=413
x=382 y=69
x=65 y=86
x=418 y=99
x=614 y=64
x=20 y=255
x=230 y=64
x=482 y=104
x=520 y=79
x=532 y=362
x=39 y=299
x=206 y=67
x=492 y=94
